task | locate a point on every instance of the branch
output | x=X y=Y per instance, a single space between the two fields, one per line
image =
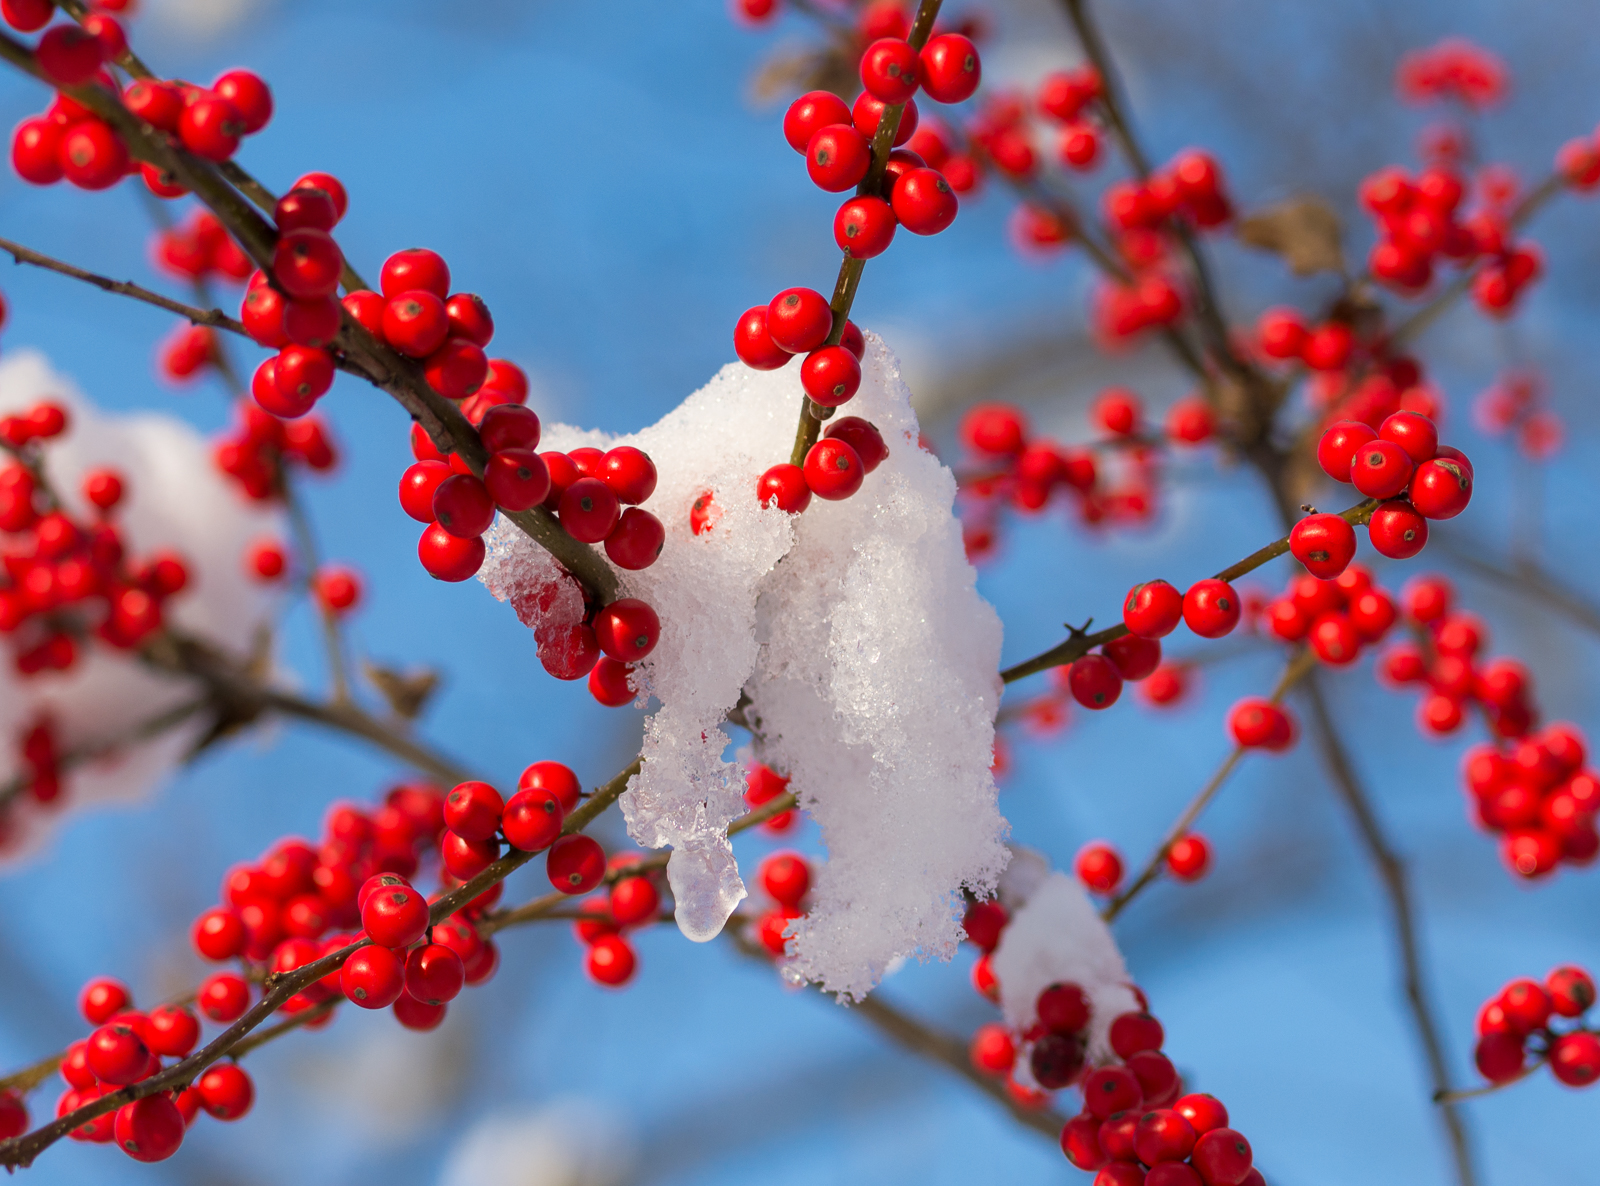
x=1392 y=874
x=1531 y=580
x=1080 y=644
x=1301 y=665
x=212 y=317
x=1471 y=1093
x=844 y=289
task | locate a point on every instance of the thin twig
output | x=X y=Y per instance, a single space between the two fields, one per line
x=1392 y=874
x=1081 y=644
x=1471 y=1093
x=1299 y=666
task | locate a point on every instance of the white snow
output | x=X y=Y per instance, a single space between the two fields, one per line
x=174 y=499
x=867 y=654
x=1057 y=935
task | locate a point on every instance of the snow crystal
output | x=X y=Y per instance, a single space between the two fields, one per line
x=175 y=499
x=867 y=656
x=1056 y=934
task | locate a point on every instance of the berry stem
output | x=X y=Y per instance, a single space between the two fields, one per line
x=1079 y=645
x=1300 y=665
x=1447 y=1098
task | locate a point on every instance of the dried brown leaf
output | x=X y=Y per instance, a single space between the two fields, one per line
x=406 y=692
x=1304 y=230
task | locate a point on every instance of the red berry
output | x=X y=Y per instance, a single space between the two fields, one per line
x=630 y=473
x=637 y=540
x=417 y=487
x=1222 y=1157
x=610 y=961
x=787 y=877
x=1203 y=1112
x=462 y=506
x=1135 y=658
x=395 y=916
x=415 y=268
x=627 y=629
x=784 y=486
x=1100 y=868
x=150 y=1129
x=559 y=780
x=864 y=227
x=305 y=208
x=36 y=150
x=367 y=308
x=754 y=345
x=1325 y=544
x=949 y=69
x=1414 y=433
x=218 y=934
x=1211 y=608
x=509 y=426
x=27 y=16
x=1571 y=991
x=889 y=70
x=1080 y=1141
x=172 y=1031
x=517 y=479
x=225 y=1091
x=809 y=114
x=532 y=819
x=1575 y=1058
x=1163 y=1136
x=249 y=96
x=1056 y=1059
x=924 y=202
x=1328 y=347
x=69 y=55
x=862 y=436
x=306 y=262
x=589 y=510
x=1381 y=469
x=1094 y=681
x=373 y=978
x=103 y=999
x=830 y=375
x=799 y=320
x=634 y=900
x=434 y=974
x=1110 y=1089
x=415 y=323
x=1440 y=489
x=576 y=864
x=833 y=471
x=91 y=155
x=1259 y=724
x=992 y=1050
x=464 y=859
x=311 y=322
x=472 y=809
x=1397 y=531
x=837 y=158
x=456 y=369
x=418 y=1015
x=469 y=318
x=984 y=922
x=1152 y=610
x=116 y=1054
x=223 y=997
x=1132 y=1032
x=1189 y=858
x=329 y=185
x=1063 y=1008
x=868 y=111
x=448 y=557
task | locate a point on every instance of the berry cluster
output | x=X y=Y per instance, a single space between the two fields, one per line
x=1455 y=69
x=786 y=878
x=631 y=901
x=1403 y=465
x=39 y=758
x=1540 y=797
x=200 y=248
x=127 y=1046
x=1336 y=617
x=67 y=579
x=259 y=448
x=1517 y=1021
x=1518 y=403
x=762 y=785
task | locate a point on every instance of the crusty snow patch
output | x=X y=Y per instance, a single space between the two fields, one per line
x=869 y=660
x=174 y=499
x=1056 y=935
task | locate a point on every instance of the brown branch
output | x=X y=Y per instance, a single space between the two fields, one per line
x=1299 y=666
x=844 y=289
x=1530 y=580
x=1392 y=874
x=1081 y=643
x=212 y=317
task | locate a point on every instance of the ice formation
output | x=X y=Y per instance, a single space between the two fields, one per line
x=1056 y=934
x=868 y=658
x=175 y=499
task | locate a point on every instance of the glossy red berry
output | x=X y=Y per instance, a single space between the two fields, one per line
x=1162 y=1136
x=102 y=999
x=809 y=114
x=799 y=320
x=627 y=629
x=1094 y=681
x=832 y=470
x=171 y=1031
x=611 y=961
x=1211 y=608
x=516 y=479
x=831 y=376
x=456 y=369
x=116 y=1053
x=589 y=510
x=1063 y=1008
x=225 y=1091
x=532 y=819
x=223 y=997
x=1414 y=433
x=472 y=809
x=786 y=877
x=838 y=158
x=949 y=69
x=417 y=487
x=1440 y=489
x=1337 y=449
x=1132 y=1032
x=416 y=268
x=307 y=263
x=150 y=1129
x=395 y=916
x=418 y=1015
x=1397 y=531
x=559 y=780
x=1575 y=1058
x=1111 y=1089
x=35 y=151
x=509 y=426
x=27 y=16
x=864 y=227
x=889 y=70
x=372 y=977
x=576 y=864
x=1080 y=1141
x=924 y=202
x=219 y=934
x=69 y=55
x=1381 y=469
x=1222 y=1157
x=1135 y=658
x=91 y=155
x=634 y=900
x=469 y=318
x=984 y=923
x=462 y=506
x=992 y=1050
x=1100 y=868
x=1255 y=723
x=434 y=974
x=1152 y=610
x=448 y=557
x=1571 y=991
x=754 y=345
x=1189 y=858
x=305 y=208
x=784 y=486
x=415 y=323
x=862 y=436
x=637 y=540
x=249 y=95
x=1325 y=544
x=867 y=112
